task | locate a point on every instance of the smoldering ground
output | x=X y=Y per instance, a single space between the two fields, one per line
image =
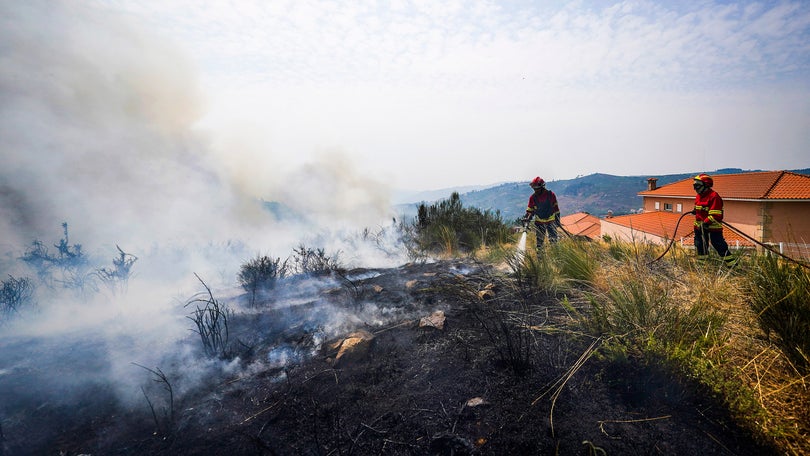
x=98 y=131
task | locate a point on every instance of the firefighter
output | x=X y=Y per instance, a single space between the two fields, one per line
x=544 y=210
x=708 y=215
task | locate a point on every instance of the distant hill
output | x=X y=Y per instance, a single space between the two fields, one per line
x=413 y=196
x=596 y=194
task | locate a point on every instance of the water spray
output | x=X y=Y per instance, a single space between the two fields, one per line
x=521 y=247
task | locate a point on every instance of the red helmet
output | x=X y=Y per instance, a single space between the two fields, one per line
x=705 y=179
x=537 y=182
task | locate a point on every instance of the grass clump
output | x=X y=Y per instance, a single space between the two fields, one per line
x=535 y=272
x=575 y=260
x=563 y=265
x=780 y=295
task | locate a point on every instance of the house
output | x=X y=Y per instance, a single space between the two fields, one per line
x=772 y=207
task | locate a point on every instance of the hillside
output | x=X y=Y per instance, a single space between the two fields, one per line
x=404 y=387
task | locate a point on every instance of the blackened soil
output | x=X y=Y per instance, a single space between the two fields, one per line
x=418 y=391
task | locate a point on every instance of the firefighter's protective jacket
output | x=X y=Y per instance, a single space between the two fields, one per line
x=543 y=207
x=708 y=211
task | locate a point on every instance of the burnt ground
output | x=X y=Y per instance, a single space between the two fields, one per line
x=413 y=391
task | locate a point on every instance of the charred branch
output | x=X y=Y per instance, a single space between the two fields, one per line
x=211 y=320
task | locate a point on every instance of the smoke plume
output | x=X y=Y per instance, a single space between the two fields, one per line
x=99 y=129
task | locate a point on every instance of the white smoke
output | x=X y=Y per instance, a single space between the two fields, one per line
x=98 y=129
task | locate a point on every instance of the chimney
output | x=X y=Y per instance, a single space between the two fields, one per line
x=651 y=183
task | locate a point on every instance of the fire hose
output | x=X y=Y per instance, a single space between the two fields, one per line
x=765 y=246
x=732 y=228
x=672 y=241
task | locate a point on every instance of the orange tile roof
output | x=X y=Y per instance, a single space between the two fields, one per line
x=754 y=185
x=662 y=224
x=582 y=224
x=791 y=186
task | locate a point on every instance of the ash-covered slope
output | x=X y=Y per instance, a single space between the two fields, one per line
x=493 y=372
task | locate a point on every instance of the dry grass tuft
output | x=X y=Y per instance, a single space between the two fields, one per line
x=778 y=387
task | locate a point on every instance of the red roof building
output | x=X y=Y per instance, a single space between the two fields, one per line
x=769 y=206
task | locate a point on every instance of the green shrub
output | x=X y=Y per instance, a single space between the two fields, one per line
x=448 y=227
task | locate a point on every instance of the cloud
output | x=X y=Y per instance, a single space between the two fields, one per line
x=423 y=94
x=417 y=43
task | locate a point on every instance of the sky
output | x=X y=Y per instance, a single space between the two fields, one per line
x=427 y=94
x=148 y=117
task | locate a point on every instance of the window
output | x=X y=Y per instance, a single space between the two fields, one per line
x=668 y=207
x=679 y=207
x=657 y=206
